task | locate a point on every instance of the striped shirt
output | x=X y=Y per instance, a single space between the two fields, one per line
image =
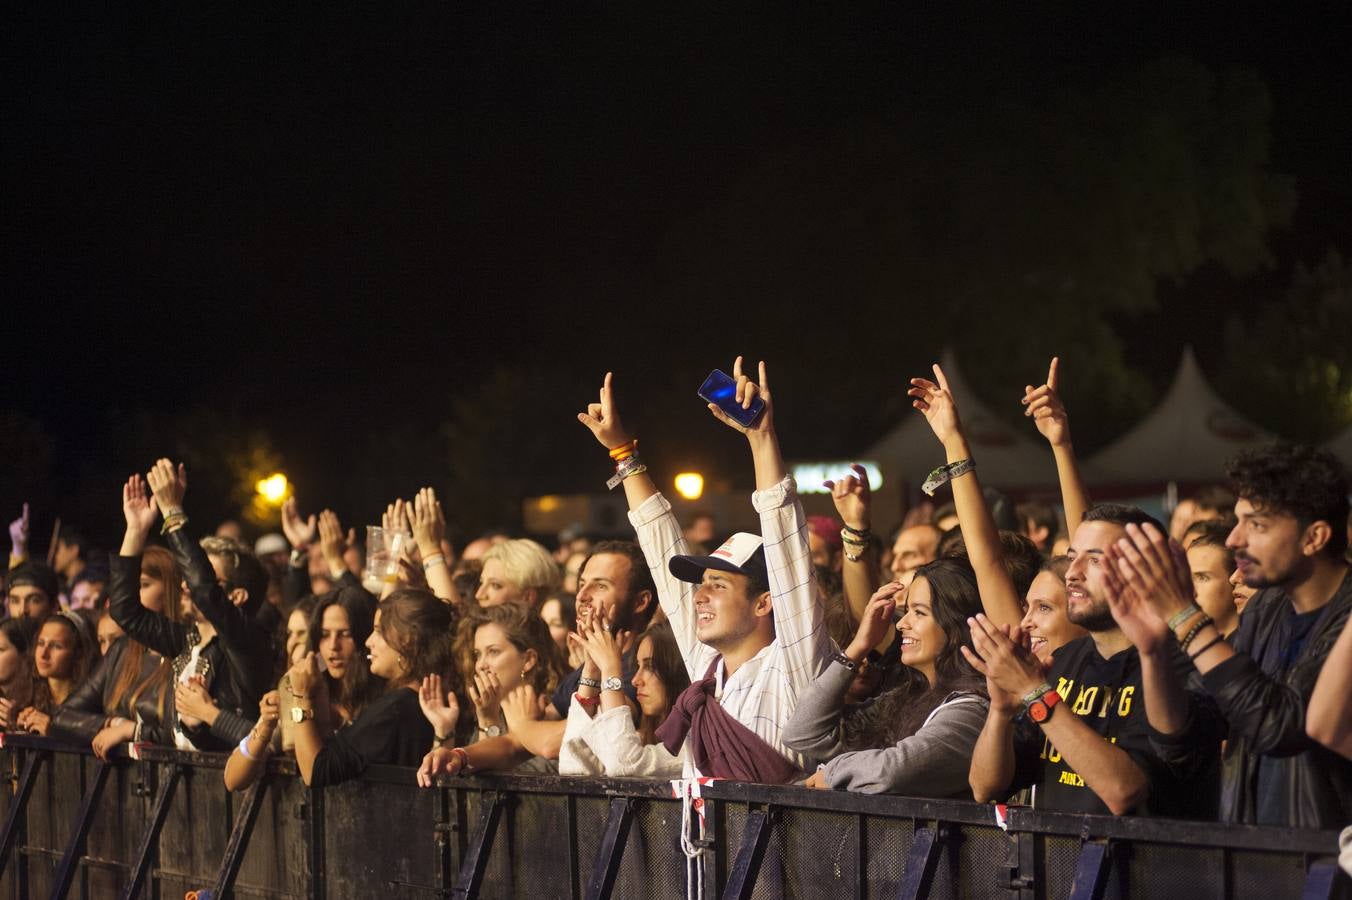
x=764 y=691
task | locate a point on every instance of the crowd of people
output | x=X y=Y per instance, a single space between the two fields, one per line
x=1088 y=658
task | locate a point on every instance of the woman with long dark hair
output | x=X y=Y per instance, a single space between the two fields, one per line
x=605 y=737
x=410 y=640
x=916 y=738
x=127 y=696
x=63 y=653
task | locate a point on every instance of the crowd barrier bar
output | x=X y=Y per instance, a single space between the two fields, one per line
x=151 y=820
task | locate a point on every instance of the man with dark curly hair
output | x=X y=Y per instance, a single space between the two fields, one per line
x=1289 y=543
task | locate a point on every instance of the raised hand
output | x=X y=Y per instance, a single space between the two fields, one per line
x=427 y=522
x=395 y=517
x=441 y=709
x=935 y=400
x=18 y=535
x=747 y=392
x=331 y=542
x=521 y=705
x=1156 y=568
x=603 y=418
x=875 y=621
x=852 y=498
x=7 y=717
x=1044 y=405
x=1133 y=613
x=168 y=484
x=300 y=532
x=137 y=506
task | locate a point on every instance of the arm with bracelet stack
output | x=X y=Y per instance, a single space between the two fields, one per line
x=1001 y=602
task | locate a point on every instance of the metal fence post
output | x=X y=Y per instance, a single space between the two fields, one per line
x=239 y=838
x=17 y=820
x=1091 y=871
x=756 y=837
x=611 y=851
x=150 y=841
x=476 y=856
x=70 y=860
x=921 y=861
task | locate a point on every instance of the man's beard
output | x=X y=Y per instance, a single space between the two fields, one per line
x=1095 y=617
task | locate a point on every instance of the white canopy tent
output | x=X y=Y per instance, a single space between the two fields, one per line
x=1341 y=447
x=1187 y=437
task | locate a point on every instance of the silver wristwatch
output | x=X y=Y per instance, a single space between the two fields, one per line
x=613 y=683
x=491 y=731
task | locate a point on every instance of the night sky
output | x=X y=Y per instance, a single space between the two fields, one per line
x=330 y=227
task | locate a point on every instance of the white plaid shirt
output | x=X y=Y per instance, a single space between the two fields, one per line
x=764 y=690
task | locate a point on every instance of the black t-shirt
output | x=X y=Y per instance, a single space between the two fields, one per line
x=391 y=731
x=1270 y=806
x=1183 y=770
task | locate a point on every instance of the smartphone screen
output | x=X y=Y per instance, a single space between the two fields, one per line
x=719 y=388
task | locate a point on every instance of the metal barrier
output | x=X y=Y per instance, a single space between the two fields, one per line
x=162 y=825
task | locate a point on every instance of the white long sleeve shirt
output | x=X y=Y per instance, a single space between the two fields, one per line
x=608 y=744
x=764 y=690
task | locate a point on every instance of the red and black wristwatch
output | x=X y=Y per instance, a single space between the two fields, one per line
x=1040 y=703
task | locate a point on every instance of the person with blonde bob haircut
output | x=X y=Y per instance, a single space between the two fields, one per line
x=517 y=571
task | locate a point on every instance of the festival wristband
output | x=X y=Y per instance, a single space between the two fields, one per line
x=946 y=473
x=1183 y=615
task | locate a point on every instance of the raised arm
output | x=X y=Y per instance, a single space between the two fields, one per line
x=799 y=627
x=1049 y=414
x=18 y=538
x=860 y=573
x=142 y=625
x=428 y=524
x=658 y=532
x=1002 y=603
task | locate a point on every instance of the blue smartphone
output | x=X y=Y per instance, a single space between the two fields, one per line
x=720 y=389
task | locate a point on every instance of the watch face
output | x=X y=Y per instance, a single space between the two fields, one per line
x=613 y=684
x=1038 y=711
x=492 y=731
x=298 y=714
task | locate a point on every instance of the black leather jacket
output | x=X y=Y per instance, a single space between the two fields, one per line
x=238 y=662
x=82 y=716
x=1266 y=717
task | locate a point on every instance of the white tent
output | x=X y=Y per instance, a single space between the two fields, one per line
x=1187 y=437
x=1005 y=457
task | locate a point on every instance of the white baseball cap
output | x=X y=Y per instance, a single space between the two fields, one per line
x=742 y=553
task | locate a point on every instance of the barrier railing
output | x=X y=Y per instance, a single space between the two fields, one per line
x=162 y=825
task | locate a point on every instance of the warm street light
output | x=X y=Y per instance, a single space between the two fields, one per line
x=690 y=485
x=273 y=489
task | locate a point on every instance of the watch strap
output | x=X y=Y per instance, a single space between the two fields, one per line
x=838 y=656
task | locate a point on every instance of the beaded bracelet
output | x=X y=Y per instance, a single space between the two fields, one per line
x=1183 y=615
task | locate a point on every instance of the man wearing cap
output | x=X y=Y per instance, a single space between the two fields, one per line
x=746 y=617
x=33 y=589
